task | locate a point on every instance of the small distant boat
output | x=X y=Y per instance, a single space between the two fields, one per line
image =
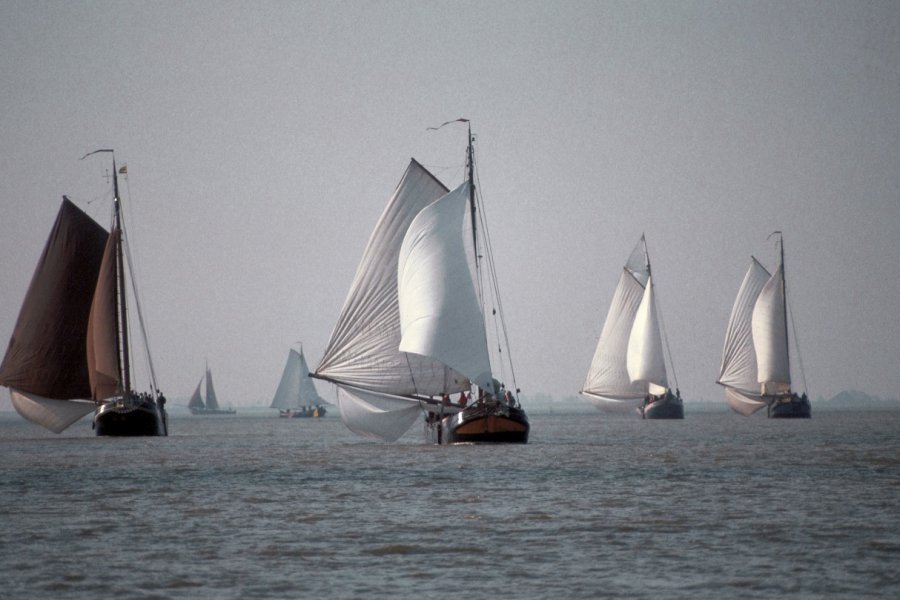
x=628 y=370
x=70 y=353
x=412 y=329
x=211 y=407
x=756 y=367
x=296 y=396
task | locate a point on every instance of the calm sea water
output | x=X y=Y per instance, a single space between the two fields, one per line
x=715 y=506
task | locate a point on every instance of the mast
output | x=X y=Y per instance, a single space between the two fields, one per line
x=787 y=351
x=471 y=177
x=120 y=276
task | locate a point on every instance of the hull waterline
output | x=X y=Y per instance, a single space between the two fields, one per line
x=793 y=408
x=491 y=423
x=664 y=408
x=138 y=418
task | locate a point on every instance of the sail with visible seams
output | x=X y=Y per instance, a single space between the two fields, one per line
x=756 y=370
x=645 y=360
x=46 y=365
x=363 y=356
x=769 y=326
x=739 y=367
x=440 y=315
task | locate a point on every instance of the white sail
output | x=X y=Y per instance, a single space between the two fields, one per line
x=607 y=379
x=440 y=315
x=55 y=415
x=645 y=359
x=364 y=347
x=770 y=337
x=376 y=415
x=739 y=366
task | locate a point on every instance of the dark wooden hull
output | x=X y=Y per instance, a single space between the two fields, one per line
x=670 y=407
x=491 y=423
x=793 y=408
x=137 y=418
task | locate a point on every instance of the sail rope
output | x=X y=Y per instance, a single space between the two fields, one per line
x=662 y=326
x=501 y=332
x=137 y=299
x=797 y=346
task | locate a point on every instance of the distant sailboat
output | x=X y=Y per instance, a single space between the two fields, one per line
x=296 y=396
x=412 y=329
x=756 y=369
x=69 y=353
x=628 y=370
x=211 y=407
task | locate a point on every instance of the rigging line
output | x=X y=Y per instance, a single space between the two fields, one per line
x=797 y=346
x=662 y=325
x=134 y=290
x=495 y=284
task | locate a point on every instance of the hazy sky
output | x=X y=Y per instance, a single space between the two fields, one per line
x=263 y=140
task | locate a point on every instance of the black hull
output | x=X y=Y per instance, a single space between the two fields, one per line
x=118 y=418
x=665 y=408
x=794 y=408
x=491 y=423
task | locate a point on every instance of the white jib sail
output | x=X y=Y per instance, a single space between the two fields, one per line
x=645 y=360
x=770 y=336
x=440 y=315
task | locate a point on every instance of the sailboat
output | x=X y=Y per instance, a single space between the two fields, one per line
x=412 y=332
x=756 y=367
x=69 y=353
x=628 y=370
x=211 y=407
x=296 y=396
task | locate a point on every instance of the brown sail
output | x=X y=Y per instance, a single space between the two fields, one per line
x=46 y=353
x=103 y=340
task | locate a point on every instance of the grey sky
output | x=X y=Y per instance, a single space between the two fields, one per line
x=264 y=139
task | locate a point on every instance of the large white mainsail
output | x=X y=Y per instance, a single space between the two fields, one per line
x=645 y=360
x=440 y=315
x=769 y=328
x=363 y=356
x=739 y=365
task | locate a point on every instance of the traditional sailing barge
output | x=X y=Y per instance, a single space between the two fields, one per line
x=628 y=371
x=412 y=329
x=69 y=353
x=756 y=366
